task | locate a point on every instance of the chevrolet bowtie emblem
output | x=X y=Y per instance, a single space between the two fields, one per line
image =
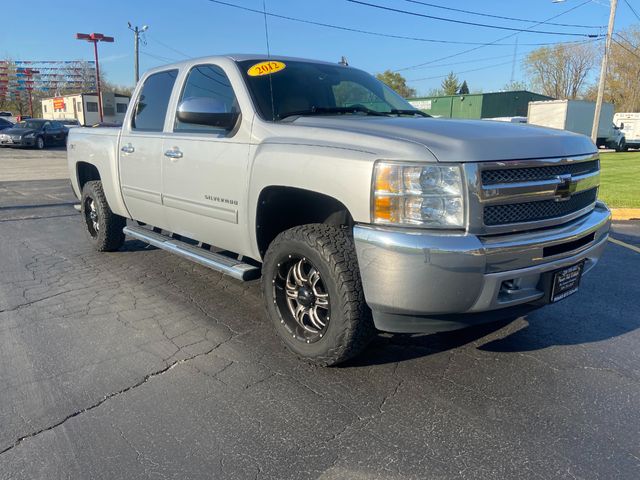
x=566 y=187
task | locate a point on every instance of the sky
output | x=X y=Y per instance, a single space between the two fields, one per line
x=182 y=29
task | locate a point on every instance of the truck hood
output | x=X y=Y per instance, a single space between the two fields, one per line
x=453 y=140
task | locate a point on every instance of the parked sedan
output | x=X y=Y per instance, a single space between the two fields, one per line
x=37 y=133
x=4 y=124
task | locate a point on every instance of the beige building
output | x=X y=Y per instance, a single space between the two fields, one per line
x=84 y=108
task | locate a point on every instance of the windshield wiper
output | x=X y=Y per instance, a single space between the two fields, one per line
x=330 y=110
x=396 y=111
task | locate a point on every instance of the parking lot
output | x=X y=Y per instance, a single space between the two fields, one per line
x=138 y=364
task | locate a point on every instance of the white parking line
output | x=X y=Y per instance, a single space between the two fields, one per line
x=623 y=244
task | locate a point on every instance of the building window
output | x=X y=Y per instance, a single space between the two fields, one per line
x=92 y=106
x=45 y=109
x=121 y=107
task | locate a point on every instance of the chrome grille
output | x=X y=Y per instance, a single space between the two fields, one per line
x=532 y=174
x=517 y=195
x=542 y=210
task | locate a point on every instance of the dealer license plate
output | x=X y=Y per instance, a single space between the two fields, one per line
x=566 y=281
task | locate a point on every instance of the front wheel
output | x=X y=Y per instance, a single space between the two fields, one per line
x=39 y=143
x=622 y=146
x=103 y=226
x=313 y=293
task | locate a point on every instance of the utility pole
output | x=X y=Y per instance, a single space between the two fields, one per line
x=29 y=73
x=603 y=72
x=95 y=38
x=136 y=42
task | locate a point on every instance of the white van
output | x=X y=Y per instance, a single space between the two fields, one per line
x=629 y=123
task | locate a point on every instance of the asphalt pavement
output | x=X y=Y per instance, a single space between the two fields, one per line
x=138 y=364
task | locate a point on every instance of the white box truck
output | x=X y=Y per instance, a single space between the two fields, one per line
x=577 y=116
x=629 y=124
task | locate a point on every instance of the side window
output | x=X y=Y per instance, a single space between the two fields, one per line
x=121 y=107
x=152 y=104
x=92 y=106
x=207 y=81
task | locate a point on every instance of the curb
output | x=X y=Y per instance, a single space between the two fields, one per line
x=625 y=213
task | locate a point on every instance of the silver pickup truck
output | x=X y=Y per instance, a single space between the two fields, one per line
x=358 y=211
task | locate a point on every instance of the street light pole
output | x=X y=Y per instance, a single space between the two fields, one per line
x=95 y=38
x=136 y=43
x=603 y=72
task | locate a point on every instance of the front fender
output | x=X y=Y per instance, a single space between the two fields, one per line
x=338 y=173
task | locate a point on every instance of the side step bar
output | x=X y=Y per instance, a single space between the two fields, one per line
x=215 y=261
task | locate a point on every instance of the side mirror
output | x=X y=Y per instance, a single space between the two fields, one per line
x=207 y=111
x=622 y=126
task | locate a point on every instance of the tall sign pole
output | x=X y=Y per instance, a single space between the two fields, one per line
x=95 y=38
x=603 y=72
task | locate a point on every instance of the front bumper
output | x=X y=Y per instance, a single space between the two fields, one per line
x=417 y=281
x=22 y=142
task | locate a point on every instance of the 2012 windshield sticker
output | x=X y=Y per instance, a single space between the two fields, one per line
x=265 y=68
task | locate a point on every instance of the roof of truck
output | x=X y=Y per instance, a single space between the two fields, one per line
x=239 y=57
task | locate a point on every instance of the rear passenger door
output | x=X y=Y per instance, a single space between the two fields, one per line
x=205 y=168
x=140 y=149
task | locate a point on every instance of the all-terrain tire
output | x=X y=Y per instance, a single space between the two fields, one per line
x=330 y=250
x=103 y=226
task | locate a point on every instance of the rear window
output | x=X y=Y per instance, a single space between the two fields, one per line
x=152 y=104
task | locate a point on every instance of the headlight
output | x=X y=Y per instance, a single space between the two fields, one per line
x=422 y=195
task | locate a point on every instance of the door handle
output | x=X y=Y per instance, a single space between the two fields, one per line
x=128 y=149
x=173 y=153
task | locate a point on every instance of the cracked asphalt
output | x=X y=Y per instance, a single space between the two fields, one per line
x=138 y=364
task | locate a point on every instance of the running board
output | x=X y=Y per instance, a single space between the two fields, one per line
x=215 y=261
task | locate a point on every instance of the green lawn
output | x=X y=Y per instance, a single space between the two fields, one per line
x=620 y=179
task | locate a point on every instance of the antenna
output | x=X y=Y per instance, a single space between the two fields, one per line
x=266 y=35
x=513 y=65
x=266 y=27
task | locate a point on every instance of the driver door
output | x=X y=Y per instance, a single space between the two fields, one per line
x=204 y=168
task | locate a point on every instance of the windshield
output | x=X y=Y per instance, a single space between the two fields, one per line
x=29 y=124
x=316 y=88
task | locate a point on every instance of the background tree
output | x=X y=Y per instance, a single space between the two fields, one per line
x=397 y=82
x=464 y=88
x=450 y=84
x=515 y=86
x=622 y=86
x=560 y=71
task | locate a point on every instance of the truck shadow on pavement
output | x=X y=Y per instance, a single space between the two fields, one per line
x=606 y=307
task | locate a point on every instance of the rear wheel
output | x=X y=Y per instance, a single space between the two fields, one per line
x=313 y=293
x=103 y=226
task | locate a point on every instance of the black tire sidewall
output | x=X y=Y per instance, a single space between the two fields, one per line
x=89 y=192
x=337 y=343
x=109 y=236
x=40 y=146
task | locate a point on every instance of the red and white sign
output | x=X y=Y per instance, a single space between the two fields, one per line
x=58 y=103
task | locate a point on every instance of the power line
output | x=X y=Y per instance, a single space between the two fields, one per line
x=524 y=30
x=159 y=57
x=169 y=47
x=369 y=32
x=458 y=73
x=500 y=16
x=632 y=9
x=623 y=46
x=462 y=22
x=519 y=56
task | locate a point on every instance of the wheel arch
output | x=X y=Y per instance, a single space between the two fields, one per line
x=86 y=172
x=280 y=208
